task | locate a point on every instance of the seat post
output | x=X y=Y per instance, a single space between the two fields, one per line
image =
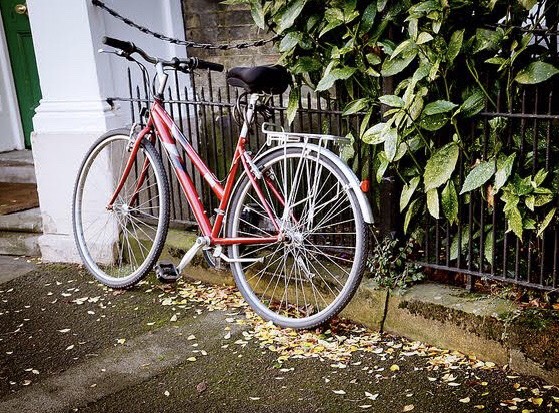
x=254 y=97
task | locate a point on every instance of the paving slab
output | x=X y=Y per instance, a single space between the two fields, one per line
x=12 y=267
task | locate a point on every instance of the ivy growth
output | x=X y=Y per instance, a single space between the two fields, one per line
x=391 y=265
x=430 y=67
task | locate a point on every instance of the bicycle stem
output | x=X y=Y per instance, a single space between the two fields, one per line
x=162 y=76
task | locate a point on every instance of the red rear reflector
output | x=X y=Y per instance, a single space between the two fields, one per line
x=365 y=185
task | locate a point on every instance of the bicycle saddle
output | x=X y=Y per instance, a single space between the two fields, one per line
x=272 y=79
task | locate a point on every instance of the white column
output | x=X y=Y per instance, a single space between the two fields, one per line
x=73 y=113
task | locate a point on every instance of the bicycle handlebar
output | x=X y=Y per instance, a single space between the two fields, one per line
x=183 y=65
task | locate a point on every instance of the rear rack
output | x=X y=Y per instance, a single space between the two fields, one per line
x=276 y=134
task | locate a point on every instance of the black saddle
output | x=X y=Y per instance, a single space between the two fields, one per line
x=260 y=79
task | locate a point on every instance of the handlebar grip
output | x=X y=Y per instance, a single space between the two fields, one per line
x=127 y=47
x=202 y=64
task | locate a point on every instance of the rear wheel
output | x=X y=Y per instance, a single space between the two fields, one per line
x=306 y=279
x=119 y=245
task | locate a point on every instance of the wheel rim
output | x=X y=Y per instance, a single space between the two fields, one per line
x=117 y=244
x=308 y=277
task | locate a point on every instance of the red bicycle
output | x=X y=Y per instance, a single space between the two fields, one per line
x=291 y=220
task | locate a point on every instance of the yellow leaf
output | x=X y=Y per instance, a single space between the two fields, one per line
x=537 y=401
x=395 y=367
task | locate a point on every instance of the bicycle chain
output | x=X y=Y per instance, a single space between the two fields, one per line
x=195 y=45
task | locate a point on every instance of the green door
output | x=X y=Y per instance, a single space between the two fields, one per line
x=22 y=58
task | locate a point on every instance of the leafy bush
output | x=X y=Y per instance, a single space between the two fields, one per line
x=430 y=67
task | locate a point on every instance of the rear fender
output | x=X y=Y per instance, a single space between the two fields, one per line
x=354 y=183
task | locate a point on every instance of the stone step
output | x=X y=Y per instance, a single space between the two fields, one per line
x=19 y=243
x=23 y=221
x=17 y=166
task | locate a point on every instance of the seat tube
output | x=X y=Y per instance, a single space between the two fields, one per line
x=250 y=114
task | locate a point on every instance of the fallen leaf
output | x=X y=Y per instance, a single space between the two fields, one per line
x=366 y=406
x=408 y=408
x=371 y=396
x=167 y=393
x=394 y=367
x=537 y=401
x=202 y=386
x=191 y=359
x=121 y=341
x=339 y=391
x=70 y=347
x=254 y=398
x=26 y=382
x=65 y=330
x=173 y=318
x=465 y=400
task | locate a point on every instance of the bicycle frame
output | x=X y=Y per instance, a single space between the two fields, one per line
x=160 y=124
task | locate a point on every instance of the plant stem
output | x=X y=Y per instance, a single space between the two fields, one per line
x=473 y=72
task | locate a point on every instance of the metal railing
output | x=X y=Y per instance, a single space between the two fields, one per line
x=478 y=246
x=203 y=106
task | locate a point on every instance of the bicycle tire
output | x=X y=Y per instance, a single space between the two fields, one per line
x=119 y=246
x=298 y=255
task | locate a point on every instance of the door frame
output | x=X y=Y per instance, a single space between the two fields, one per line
x=15 y=141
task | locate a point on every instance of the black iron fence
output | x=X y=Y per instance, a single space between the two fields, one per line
x=204 y=107
x=479 y=246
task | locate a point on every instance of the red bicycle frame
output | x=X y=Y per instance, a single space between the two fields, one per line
x=162 y=125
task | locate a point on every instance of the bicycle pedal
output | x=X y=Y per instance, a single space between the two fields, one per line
x=166 y=272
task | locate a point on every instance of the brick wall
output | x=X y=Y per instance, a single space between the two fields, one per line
x=208 y=21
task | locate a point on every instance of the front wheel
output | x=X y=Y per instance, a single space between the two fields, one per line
x=307 y=278
x=120 y=243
